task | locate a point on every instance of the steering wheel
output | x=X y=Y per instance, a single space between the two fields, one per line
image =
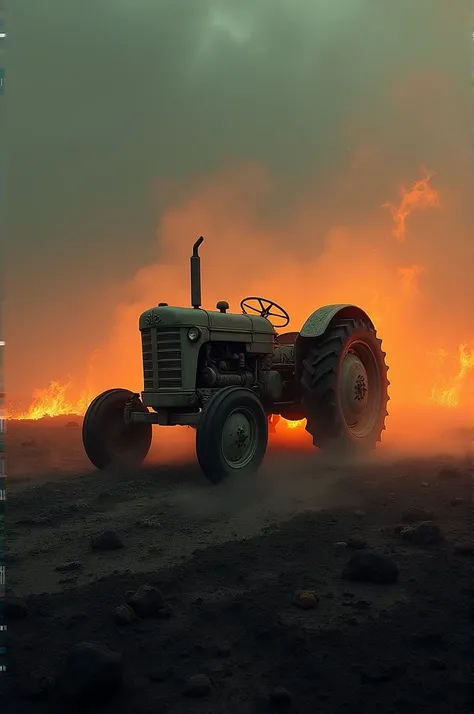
x=264 y=309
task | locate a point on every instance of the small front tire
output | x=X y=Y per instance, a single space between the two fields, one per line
x=232 y=434
x=107 y=439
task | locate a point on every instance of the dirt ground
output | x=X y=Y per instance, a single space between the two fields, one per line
x=231 y=626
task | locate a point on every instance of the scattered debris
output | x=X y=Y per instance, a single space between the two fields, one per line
x=148 y=602
x=91 y=672
x=107 y=540
x=367 y=566
x=306 y=599
x=426 y=533
x=197 y=686
x=15 y=609
x=280 y=697
x=415 y=514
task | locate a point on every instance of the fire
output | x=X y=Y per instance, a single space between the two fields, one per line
x=419 y=195
x=351 y=266
x=53 y=401
x=450 y=394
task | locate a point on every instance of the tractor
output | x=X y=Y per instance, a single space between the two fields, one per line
x=228 y=374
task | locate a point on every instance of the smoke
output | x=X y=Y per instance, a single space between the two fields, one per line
x=280 y=131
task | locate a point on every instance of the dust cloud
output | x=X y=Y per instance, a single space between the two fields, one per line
x=289 y=135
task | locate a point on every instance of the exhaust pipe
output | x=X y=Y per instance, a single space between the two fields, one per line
x=196 y=274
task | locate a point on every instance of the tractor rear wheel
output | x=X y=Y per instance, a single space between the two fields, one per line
x=232 y=434
x=345 y=388
x=107 y=438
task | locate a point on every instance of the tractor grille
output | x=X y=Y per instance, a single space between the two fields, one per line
x=167 y=343
x=147 y=356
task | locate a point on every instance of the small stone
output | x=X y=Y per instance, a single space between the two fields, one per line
x=356 y=543
x=366 y=566
x=15 y=609
x=437 y=664
x=456 y=501
x=426 y=533
x=360 y=514
x=147 y=601
x=72 y=425
x=197 y=686
x=69 y=567
x=415 y=514
x=361 y=604
x=425 y=484
x=464 y=547
x=161 y=674
x=91 y=673
x=307 y=599
x=164 y=613
x=124 y=615
x=449 y=472
x=280 y=697
x=223 y=650
x=340 y=545
x=107 y=540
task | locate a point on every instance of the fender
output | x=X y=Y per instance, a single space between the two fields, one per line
x=318 y=322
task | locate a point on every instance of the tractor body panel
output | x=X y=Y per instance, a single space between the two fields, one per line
x=319 y=320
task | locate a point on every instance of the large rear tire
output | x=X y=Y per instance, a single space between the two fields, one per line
x=107 y=438
x=232 y=434
x=345 y=388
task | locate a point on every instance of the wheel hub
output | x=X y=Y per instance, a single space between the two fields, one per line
x=354 y=388
x=238 y=438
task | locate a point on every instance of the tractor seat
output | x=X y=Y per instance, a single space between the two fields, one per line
x=287 y=338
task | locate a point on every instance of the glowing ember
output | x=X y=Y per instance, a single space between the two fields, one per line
x=420 y=195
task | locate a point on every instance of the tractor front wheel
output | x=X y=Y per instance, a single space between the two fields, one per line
x=345 y=388
x=232 y=434
x=107 y=438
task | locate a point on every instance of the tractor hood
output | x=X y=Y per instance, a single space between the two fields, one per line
x=189 y=317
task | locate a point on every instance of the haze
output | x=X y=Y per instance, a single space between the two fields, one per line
x=276 y=129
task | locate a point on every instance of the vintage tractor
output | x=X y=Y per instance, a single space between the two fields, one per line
x=226 y=374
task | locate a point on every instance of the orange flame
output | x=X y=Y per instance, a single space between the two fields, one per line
x=449 y=395
x=419 y=195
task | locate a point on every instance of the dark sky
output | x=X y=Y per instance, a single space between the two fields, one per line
x=108 y=98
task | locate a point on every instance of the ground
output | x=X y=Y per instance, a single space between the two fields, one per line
x=232 y=563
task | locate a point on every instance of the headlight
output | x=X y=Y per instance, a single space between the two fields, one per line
x=194 y=333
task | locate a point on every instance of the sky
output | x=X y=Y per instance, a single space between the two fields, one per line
x=120 y=110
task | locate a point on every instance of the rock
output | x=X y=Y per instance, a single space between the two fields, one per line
x=361 y=604
x=456 y=501
x=280 y=697
x=360 y=514
x=147 y=601
x=161 y=674
x=164 y=613
x=223 y=650
x=69 y=567
x=37 y=686
x=464 y=547
x=107 y=540
x=15 y=609
x=425 y=484
x=91 y=673
x=450 y=472
x=367 y=566
x=426 y=533
x=415 y=514
x=437 y=664
x=28 y=442
x=72 y=425
x=197 y=686
x=124 y=615
x=307 y=599
x=340 y=545
x=356 y=543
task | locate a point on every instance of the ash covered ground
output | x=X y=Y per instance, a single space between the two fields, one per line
x=153 y=591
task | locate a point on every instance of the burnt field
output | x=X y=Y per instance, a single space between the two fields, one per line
x=309 y=589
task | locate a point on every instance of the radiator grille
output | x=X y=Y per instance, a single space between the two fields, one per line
x=168 y=351
x=167 y=343
x=147 y=356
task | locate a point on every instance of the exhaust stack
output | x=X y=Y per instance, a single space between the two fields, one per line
x=196 y=275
